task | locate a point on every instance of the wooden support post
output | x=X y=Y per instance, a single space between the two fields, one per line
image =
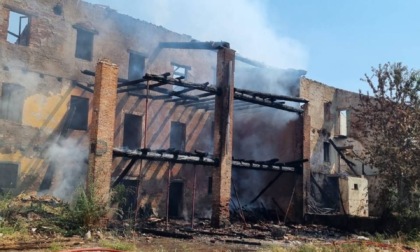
x=168 y=188
x=193 y=196
x=102 y=130
x=223 y=126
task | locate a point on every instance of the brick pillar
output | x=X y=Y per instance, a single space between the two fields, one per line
x=102 y=130
x=306 y=173
x=4 y=23
x=223 y=126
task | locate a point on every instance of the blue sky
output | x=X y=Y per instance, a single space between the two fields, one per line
x=337 y=42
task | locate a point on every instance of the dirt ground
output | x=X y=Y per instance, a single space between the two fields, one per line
x=237 y=237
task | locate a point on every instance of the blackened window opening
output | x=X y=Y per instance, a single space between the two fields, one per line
x=132 y=131
x=18 y=30
x=77 y=117
x=326 y=152
x=136 y=66
x=177 y=139
x=84 y=44
x=11 y=103
x=210 y=186
x=176 y=193
x=8 y=175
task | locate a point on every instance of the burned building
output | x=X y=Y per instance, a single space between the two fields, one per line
x=173 y=119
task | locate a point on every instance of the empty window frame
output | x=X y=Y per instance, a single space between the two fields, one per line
x=19 y=28
x=343 y=122
x=84 y=44
x=11 y=103
x=78 y=113
x=327 y=111
x=136 y=66
x=179 y=71
x=8 y=175
x=327 y=152
x=177 y=136
x=132 y=131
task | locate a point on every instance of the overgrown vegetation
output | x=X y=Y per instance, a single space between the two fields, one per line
x=84 y=213
x=390 y=121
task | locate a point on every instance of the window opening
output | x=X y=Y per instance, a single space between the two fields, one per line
x=8 y=175
x=11 y=103
x=78 y=113
x=132 y=131
x=177 y=138
x=343 y=122
x=176 y=193
x=326 y=152
x=136 y=66
x=18 y=30
x=84 y=44
x=178 y=72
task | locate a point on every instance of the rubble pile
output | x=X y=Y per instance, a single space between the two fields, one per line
x=250 y=234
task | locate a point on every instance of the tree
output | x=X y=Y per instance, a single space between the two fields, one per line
x=390 y=122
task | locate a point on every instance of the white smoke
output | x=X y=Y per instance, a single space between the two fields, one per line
x=242 y=23
x=67 y=157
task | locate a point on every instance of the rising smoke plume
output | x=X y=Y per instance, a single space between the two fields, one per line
x=67 y=157
x=242 y=23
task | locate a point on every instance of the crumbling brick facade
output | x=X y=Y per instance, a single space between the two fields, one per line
x=328 y=121
x=56 y=93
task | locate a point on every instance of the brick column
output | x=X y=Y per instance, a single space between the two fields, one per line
x=223 y=126
x=102 y=130
x=306 y=173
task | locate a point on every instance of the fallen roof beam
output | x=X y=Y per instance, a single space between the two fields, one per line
x=270 y=96
x=195 y=45
x=124 y=173
x=349 y=163
x=265 y=188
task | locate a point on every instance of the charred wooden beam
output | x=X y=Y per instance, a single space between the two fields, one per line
x=198 y=158
x=249 y=61
x=203 y=87
x=91 y=73
x=195 y=45
x=77 y=84
x=124 y=172
x=269 y=96
x=186 y=90
x=138 y=87
x=246 y=106
x=263 y=102
x=349 y=163
x=265 y=188
x=184 y=102
x=201 y=102
x=165 y=156
x=130 y=83
x=166 y=233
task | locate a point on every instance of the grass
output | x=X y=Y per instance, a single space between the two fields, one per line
x=55 y=247
x=118 y=245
